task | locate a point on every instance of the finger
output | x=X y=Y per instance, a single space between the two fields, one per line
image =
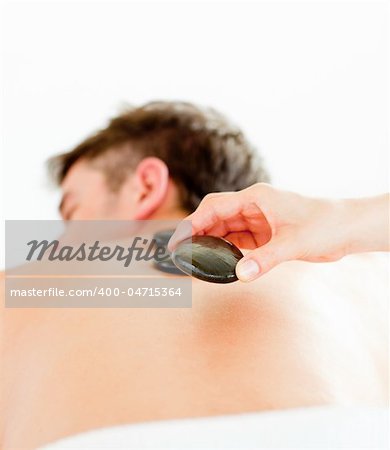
x=213 y=209
x=183 y=231
x=242 y=239
x=224 y=227
x=264 y=258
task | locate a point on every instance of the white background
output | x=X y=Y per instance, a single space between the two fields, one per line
x=306 y=81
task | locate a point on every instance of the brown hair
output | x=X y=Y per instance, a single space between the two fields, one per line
x=203 y=152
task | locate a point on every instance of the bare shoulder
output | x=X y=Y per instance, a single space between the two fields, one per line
x=2 y=298
x=295 y=287
x=365 y=274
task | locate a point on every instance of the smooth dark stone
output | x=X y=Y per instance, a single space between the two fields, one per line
x=208 y=258
x=169 y=267
x=162 y=237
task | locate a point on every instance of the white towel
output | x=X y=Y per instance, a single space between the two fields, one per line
x=308 y=428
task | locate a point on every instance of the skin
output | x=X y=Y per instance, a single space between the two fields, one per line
x=148 y=193
x=301 y=335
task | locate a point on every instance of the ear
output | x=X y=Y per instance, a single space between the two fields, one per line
x=151 y=178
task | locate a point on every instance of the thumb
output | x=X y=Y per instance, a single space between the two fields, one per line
x=262 y=259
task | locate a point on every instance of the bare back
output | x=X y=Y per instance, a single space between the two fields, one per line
x=304 y=334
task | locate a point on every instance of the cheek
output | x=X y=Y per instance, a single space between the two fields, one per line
x=122 y=206
x=96 y=203
x=89 y=211
x=111 y=205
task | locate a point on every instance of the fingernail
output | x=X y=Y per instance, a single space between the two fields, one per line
x=247 y=270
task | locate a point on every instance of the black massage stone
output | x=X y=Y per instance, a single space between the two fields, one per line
x=208 y=258
x=162 y=238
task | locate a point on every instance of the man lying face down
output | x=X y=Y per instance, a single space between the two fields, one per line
x=156 y=161
x=302 y=335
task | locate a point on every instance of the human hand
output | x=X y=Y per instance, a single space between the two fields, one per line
x=277 y=226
